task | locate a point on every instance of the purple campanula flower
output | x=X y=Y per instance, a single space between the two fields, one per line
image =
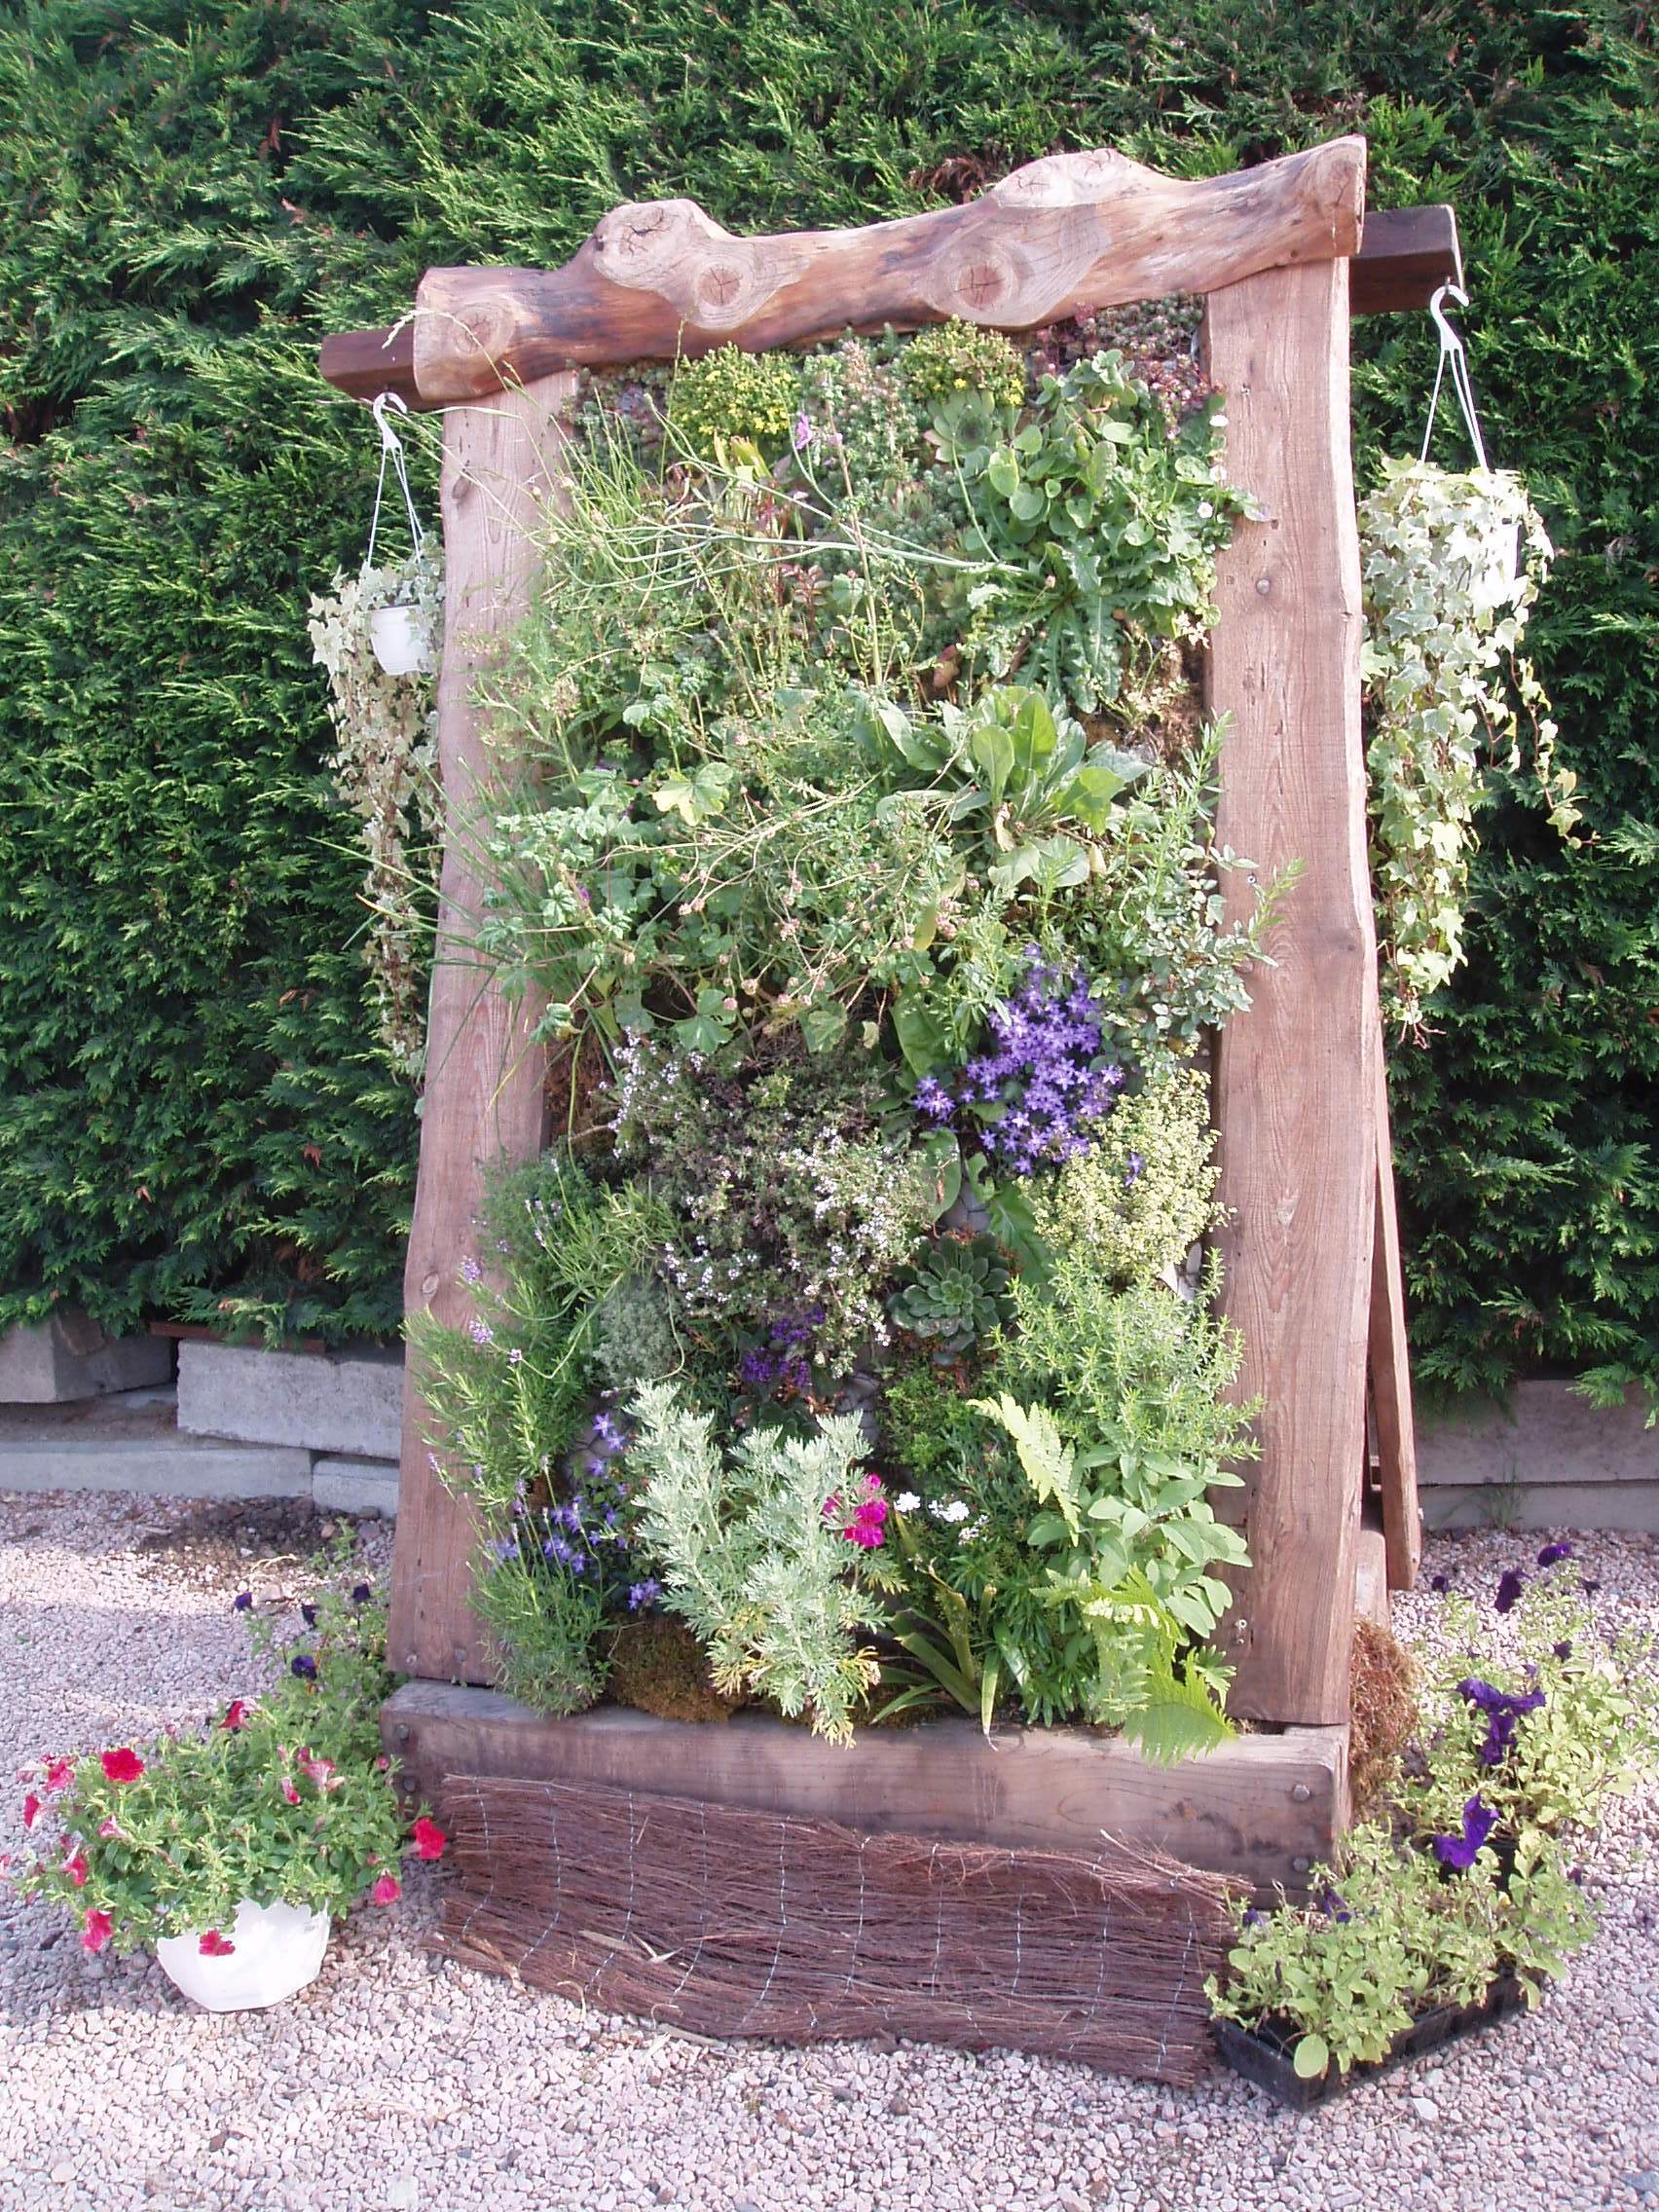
x=1134 y=1169
x=933 y=1099
x=1458 y=1850
x=1510 y=1586
x=642 y=1594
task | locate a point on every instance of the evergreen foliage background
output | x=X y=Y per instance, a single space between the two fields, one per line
x=193 y=1118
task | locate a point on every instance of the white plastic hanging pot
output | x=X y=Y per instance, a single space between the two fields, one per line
x=275 y=1951
x=399 y=639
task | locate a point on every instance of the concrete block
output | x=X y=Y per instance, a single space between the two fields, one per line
x=357 y=1485
x=1545 y=1433
x=174 y=1468
x=70 y=1357
x=1633 y=1506
x=328 y=1402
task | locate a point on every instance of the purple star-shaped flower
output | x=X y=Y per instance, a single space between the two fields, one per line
x=1479 y=1820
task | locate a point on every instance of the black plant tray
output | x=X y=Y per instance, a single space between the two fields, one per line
x=1262 y=2055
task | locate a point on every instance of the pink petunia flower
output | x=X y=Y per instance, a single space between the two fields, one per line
x=59 y=1774
x=120 y=1766
x=321 y=1773
x=97 y=1933
x=428 y=1838
x=235 y=1713
x=75 y=1867
x=31 y=1810
x=112 y=1828
x=289 y=1791
x=213 y=1945
x=388 y=1889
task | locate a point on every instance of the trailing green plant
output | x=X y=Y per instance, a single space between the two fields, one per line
x=1463 y=1877
x=1450 y=566
x=285 y=1798
x=384 y=765
x=766 y=1551
x=1388 y=1936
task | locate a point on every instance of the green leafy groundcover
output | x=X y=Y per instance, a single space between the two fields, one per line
x=194 y=1110
x=863 y=859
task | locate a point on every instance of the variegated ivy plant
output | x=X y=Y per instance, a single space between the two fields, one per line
x=1452 y=564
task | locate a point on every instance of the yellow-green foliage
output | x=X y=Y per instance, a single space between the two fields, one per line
x=949 y=358
x=732 y=395
x=1135 y=1219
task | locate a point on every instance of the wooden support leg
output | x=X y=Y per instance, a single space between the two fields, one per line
x=1390 y=1368
x=1296 y=1074
x=483 y=1077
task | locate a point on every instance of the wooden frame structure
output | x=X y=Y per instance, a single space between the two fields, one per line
x=1284 y=256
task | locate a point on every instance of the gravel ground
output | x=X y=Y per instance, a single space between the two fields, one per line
x=397 y=2081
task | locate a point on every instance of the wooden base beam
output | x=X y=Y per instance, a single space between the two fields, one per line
x=1264 y=1807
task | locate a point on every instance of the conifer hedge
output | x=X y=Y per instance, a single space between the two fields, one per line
x=195 y=1121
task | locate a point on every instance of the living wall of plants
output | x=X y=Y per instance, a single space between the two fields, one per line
x=197 y=1118
x=855 y=1331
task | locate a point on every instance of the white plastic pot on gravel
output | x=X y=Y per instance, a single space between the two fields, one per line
x=397 y=2081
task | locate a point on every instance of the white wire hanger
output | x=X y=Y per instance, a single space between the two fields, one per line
x=391 y=449
x=1451 y=351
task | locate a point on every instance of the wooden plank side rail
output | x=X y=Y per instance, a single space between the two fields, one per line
x=1295 y=1082
x=484 y=1079
x=1264 y=1806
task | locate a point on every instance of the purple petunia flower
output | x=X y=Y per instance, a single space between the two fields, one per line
x=361 y=1594
x=1503 y=1709
x=303 y=1665
x=1552 y=1552
x=1562 y=1652
x=1440 y=1584
x=307 y=1613
x=1479 y=1820
x=244 y=1600
x=1510 y=1589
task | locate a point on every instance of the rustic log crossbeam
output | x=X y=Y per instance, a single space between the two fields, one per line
x=660 y=278
x=1284 y=255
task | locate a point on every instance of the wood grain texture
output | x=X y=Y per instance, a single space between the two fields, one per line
x=367 y=362
x=1089 y=230
x=1263 y=1806
x=1390 y=1367
x=1405 y=257
x=1295 y=1081
x=484 y=1092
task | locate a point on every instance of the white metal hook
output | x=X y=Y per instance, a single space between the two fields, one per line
x=1451 y=350
x=389 y=436
x=391 y=449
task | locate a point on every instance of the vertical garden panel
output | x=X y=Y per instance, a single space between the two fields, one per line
x=484 y=1079
x=1296 y=1075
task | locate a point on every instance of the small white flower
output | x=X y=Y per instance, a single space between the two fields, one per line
x=955 y=1512
x=1205 y=510
x=907 y=1502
